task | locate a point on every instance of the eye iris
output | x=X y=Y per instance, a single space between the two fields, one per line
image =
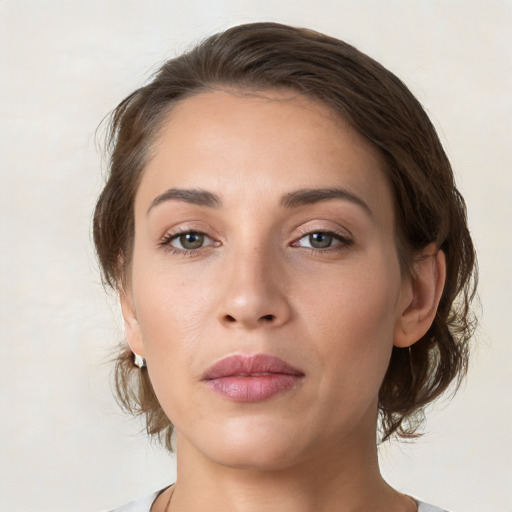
x=320 y=240
x=191 y=240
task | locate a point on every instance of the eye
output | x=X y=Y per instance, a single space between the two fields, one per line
x=187 y=241
x=319 y=240
x=322 y=240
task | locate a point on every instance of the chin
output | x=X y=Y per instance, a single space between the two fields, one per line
x=262 y=457
x=253 y=445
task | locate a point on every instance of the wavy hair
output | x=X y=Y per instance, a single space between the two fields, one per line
x=428 y=206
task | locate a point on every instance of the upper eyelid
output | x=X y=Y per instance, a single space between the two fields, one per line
x=340 y=231
x=335 y=234
x=171 y=234
x=189 y=227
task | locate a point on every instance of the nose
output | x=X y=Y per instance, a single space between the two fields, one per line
x=254 y=291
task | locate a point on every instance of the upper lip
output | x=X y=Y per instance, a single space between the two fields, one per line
x=250 y=365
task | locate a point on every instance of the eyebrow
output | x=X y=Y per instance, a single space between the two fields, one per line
x=294 y=199
x=307 y=196
x=192 y=196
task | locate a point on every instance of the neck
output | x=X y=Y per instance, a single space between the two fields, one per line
x=346 y=478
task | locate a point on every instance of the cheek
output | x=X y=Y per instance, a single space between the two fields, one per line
x=352 y=318
x=171 y=325
x=158 y=305
x=176 y=315
x=171 y=316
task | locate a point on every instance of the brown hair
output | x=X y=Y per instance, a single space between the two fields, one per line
x=378 y=105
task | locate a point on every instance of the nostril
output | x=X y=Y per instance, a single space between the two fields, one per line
x=230 y=319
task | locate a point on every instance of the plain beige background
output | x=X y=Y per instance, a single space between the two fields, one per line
x=63 y=66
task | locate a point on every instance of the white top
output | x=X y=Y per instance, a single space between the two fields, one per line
x=144 y=505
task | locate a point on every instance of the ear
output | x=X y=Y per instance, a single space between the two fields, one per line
x=131 y=325
x=421 y=295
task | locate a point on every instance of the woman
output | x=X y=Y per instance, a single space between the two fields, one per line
x=294 y=268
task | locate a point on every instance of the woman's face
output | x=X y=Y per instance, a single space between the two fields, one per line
x=265 y=287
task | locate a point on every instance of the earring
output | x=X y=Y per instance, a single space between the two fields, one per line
x=139 y=361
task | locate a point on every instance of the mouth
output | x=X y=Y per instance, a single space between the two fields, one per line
x=252 y=378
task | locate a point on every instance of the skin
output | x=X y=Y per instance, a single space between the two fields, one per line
x=257 y=285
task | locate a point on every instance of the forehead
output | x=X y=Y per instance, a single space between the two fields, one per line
x=259 y=115
x=238 y=142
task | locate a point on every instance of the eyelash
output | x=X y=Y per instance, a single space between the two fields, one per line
x=167 y=239
x=344 y=241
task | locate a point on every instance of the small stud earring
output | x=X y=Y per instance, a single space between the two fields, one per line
x=139 y=361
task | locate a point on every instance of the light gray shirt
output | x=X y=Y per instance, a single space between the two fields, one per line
x=144 y=505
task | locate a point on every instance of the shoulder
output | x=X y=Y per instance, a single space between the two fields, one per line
x=425 y=507
x=140 y=505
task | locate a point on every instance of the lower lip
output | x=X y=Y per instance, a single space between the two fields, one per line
x=255 y=388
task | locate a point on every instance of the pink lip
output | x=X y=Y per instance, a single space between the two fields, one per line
x=252 y=378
